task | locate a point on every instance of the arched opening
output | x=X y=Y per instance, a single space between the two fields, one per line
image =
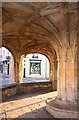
x=52 y=58
x=48 y=29
x=6 y=67
x=35 y=68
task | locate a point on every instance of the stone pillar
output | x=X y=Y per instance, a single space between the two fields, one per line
x=65 y=104
x=51 y=71
x=11 y=70
x=67 y=81
x=18 y=69
x=55 y=75
x=78 y=77
x=78 y=55
x=61 y=88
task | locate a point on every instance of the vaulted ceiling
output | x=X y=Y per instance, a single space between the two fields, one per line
x=24 y=24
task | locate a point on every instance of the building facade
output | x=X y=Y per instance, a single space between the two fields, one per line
x=5 y=56
x=35 y=65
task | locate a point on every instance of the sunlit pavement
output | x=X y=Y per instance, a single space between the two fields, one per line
x=26 y=106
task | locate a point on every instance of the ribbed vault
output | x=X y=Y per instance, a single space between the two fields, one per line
x=24 y=23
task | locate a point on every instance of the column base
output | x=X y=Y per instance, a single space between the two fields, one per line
x=60 y=109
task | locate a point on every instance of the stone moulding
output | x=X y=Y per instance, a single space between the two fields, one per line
x=58 y=109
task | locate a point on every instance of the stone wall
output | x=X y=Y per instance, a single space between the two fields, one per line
x=11 y=90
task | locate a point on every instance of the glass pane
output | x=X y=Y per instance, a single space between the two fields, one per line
x=35 y=68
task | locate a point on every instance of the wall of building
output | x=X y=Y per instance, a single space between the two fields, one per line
x=5 y=53
x=5 y=56
x=44 y=66
x=7 y=64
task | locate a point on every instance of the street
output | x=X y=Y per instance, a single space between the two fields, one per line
x=5 y=80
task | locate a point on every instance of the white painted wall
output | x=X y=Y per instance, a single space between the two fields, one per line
x=44 y=66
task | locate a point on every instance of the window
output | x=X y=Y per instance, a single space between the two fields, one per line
x=35 y=67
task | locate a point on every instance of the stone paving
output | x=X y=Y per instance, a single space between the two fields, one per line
x=26 y=106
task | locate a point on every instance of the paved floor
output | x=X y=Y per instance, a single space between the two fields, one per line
x=26 y=106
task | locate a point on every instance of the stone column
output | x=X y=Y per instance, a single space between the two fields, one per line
x=77 y=73
x=18 y=69
x=51 y=71
x=67 y=81
x=65 y=104
x=11 y=70
x=55 y=75
x=61 y=87
x=78 y=79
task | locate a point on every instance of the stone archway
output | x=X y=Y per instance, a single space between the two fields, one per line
x=51 y=55
x=52 y=27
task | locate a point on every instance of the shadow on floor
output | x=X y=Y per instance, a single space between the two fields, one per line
x=33 y=108
x=37 y=113
x=23 y=95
